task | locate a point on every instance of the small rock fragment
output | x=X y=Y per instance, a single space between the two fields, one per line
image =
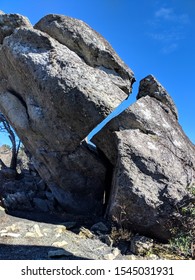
x=31 y=234
x=153 y=257
x=10 y=234
x=116 y=252
x=37 y=230
x=140 y=245
x=109 y=256
x=3 y=231
x=99 y=227
x=60 y=243
x=12 y=228
x=84 y=232
x=60 y=229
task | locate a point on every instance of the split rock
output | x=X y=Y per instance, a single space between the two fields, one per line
x=89 y=45
x=53 y=98
x=154 y=167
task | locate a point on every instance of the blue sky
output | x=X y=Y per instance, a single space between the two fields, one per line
x=152 y=37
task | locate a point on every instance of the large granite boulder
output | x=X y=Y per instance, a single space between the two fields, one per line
x=59 y=80
x=53 y=99
x=9 y=22
x=89 y=45
x=154 y=165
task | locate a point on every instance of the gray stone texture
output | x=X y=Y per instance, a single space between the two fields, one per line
x=89 y=45
x=9 y=22
x=53 y=99
x=154 y=166
x=58 y=81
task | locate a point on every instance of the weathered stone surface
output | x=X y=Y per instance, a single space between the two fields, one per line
x=154 y=168
x=9 y=22
x=13 y=105
x=151 y=87
x=89 y=45
x=25 y=194
x=53 y=99
x=17 y=200
x=57 y=82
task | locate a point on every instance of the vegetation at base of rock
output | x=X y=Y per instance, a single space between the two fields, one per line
x=182 y=244
x=181 y=247
x=191 y=189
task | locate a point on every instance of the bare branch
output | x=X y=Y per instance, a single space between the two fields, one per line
x=6 y=127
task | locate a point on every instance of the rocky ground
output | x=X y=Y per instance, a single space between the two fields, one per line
x=33 y=227
x=36 y=236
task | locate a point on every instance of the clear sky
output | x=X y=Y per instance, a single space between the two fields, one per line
x=152 y=37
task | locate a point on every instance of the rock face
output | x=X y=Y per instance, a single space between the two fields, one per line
x=150 y=86
x=89 y=45
x=154 y=161
x=53 y=99
x=59 y=80
x=8 y=23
